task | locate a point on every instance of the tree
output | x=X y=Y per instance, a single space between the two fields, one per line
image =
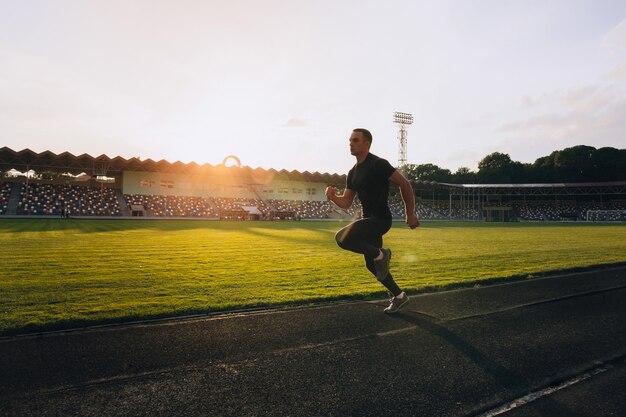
x=543 y=169
x=608 y=164
x=582 y=164
x=576 y=164
x=427 y=172
x=498 y=168
x=464 y=175
x=573 y=164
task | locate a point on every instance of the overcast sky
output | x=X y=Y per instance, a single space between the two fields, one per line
x=281 y=83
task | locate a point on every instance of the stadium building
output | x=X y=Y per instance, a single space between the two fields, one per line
x=126 y=187
x=49 y=184
x=600 y=201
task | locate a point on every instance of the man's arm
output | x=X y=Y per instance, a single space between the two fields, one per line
x=343 y=201
x=407 y=196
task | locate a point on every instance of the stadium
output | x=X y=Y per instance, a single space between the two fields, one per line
x=47 y=184
x=134 y=282
x=135 y=287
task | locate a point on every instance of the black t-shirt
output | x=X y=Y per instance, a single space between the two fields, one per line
x=370 y=181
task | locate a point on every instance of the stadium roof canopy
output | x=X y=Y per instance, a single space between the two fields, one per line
x=66 y=162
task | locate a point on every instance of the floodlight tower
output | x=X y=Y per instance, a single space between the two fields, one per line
x=403 y=120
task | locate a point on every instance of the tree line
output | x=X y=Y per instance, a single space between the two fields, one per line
x=576 y=164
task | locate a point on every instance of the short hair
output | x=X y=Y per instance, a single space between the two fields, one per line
x=366 y=133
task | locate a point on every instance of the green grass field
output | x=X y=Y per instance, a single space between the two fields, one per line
x=67 y=273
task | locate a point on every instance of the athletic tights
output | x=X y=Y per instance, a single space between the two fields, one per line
x=365 y=236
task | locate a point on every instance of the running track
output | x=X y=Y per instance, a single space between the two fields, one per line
x=553 y=346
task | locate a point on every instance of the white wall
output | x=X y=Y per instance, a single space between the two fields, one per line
x=156 y=183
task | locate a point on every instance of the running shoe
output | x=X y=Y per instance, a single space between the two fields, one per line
x=397 y=303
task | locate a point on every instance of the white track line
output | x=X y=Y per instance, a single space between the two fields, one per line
x=535 y=303
x=528 y=398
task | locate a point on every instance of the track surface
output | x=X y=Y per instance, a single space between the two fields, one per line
x=546 y=347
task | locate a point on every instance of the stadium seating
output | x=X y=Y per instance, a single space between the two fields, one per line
x=301 y=209
x=553 y=211
x=172 y=206
x=234 y=208
x=52 y=199
x=525 y=211
x=5 y=192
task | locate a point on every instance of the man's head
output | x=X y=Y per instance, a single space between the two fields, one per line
x=366 y=134
x=360 y=142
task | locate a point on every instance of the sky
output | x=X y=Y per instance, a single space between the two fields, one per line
x=281 y=83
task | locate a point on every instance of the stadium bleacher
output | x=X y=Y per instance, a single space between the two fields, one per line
x=301 y=209
x=172 y=206
x=443 y=210
x=5 y=192
x=98 y=184
x=555 y=211
x=54 y=199
x=237 y=208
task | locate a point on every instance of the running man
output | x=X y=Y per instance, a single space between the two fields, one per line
x=369 y=179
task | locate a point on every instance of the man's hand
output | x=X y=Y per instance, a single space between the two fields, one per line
x=343 y=201
x=412 y=220
x=330 y=192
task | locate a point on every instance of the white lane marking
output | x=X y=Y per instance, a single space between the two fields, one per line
x=536 y=303
x=519 y=402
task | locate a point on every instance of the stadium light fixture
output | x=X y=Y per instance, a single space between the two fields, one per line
x=403 y=120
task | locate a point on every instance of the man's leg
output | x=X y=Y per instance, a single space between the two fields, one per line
x=365 y=236
x=370 y=263
x=359 y=236
x=399 y=298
